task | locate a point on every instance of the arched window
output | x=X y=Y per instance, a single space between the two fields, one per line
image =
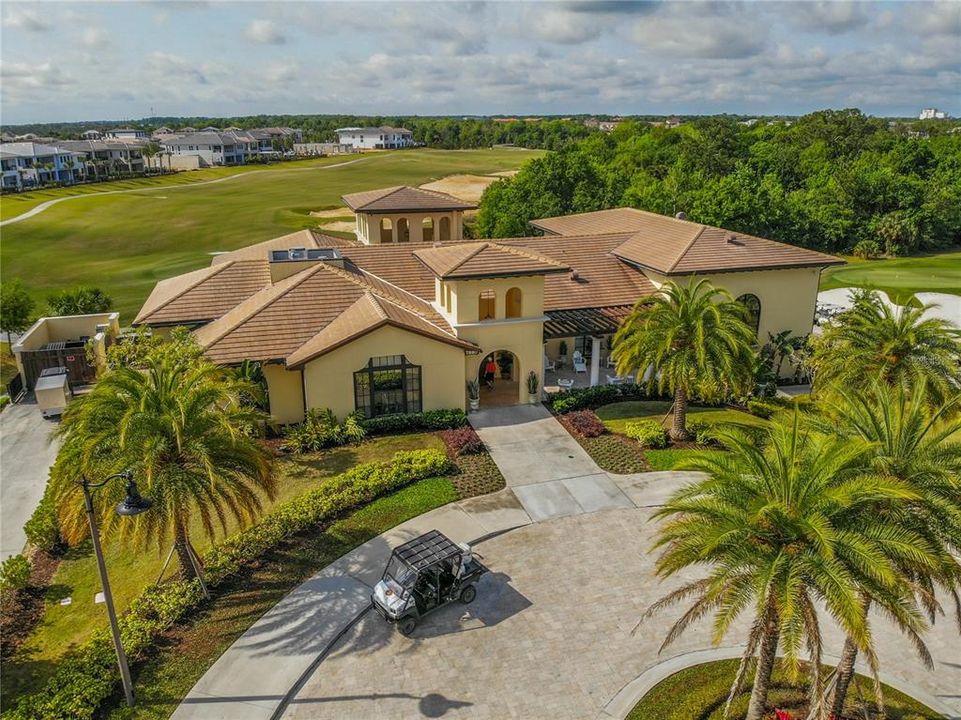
x=753 y=306
x=427 y=228
x=445 y=228
x=513 y=303
x=403 y=230
x=386 y=231
x=487 y=305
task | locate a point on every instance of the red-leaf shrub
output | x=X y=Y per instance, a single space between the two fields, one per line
x=586 y=423
x=462 y=441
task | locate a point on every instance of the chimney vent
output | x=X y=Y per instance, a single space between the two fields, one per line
x=681 y=215
x=575 y=276
x=734 y=240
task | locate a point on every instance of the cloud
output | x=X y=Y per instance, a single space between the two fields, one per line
x=169 y=68
x=834 y=17
x=934 y=18
x=700 y=30
x=264 y=32
x=94 y=37
x=26 y=20
x=282 y=72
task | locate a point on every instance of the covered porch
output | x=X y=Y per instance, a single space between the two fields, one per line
x=577 y=347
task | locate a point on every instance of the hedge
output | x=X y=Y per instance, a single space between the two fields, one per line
x=42 y=528
x=88 y=676
x=591 y=398
x=586 y=423
x=648 y=433
x=427 y=421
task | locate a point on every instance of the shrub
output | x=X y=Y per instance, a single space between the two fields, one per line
x=648 y=433
x=462 y=441
x=43 y=528
x=322 y=430
x=704 y=433
x=428 y=421
x=594 y=397
x=15 y=573
x=762 y=408
x=586 y=423
x=867 y=249
x=87 y=677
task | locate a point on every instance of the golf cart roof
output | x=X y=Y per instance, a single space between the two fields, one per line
x=430 y=548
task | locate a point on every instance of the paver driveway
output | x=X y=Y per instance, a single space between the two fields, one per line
x=549 y=636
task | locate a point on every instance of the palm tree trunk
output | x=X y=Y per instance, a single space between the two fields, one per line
x=845 y=673
x=765 y=666
x=182 y=546
x=679 y=424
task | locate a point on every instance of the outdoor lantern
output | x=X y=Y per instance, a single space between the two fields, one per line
x=134 y=503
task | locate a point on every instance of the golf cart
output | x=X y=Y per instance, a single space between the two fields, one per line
x=422 y=575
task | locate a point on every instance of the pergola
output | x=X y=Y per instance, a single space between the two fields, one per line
x=595 y=322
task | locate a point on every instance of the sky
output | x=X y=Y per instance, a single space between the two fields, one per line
x=110 y=60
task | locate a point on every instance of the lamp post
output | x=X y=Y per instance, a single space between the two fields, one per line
x=132 y=504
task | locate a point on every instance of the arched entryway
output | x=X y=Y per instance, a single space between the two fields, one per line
x=504 y=387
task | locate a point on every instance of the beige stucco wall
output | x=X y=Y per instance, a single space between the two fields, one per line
x=368 y=225
x=286 y=390
x=66 y=327
x=467 y=294
x=329 y=379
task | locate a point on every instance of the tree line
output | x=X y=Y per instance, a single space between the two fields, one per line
x=838 y=181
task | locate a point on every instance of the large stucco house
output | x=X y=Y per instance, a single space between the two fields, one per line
x=397 y=325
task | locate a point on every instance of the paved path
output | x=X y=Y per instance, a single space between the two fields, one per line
x=50 y=203
x=549 y=638
x=27 y=451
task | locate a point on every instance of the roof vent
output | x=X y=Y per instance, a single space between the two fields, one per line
x=735 y=240
x=681 y=215
x=575 y=276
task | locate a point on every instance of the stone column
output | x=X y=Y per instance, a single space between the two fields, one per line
x=595 y=360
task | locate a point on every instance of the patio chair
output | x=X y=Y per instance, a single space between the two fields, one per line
x=610 y=361
x=578 y=356
x=549 y=365
x=566 y=383
x=579 y=364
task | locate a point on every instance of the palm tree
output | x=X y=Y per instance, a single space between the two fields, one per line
x=914 y=444
x=179 y=424
x=781 y=527
x=687 y=340
x=874 y=340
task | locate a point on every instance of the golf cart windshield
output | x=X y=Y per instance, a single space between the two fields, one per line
x=400 y=572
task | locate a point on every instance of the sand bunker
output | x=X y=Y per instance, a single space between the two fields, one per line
x=339 y=226
x=468 y=188
x=340 y=212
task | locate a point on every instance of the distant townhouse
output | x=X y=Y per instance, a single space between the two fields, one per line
x=209 y=148
x=107 y=155
x=91 y=135
x=126 y=133
x=27 y=164
x=376 y=138
x=932 y=114
x=316 y=149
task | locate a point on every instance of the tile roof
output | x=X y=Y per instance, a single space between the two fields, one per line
x=401 y=198
x=204 y=294
x=485 y=259
x=680 y=247
x=301 y=238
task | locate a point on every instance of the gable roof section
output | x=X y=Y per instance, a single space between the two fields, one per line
x=463 y=261
x=203 y=294
x=403 y=198
x=672 y=246
x=366 y=314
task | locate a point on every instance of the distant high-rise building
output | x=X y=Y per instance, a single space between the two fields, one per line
x=932 y=114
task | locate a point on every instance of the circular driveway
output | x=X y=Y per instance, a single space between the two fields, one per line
x=549 y=636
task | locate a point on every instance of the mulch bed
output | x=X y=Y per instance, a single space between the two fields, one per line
x=477 y=475
x=21 y=610
x=613 y=452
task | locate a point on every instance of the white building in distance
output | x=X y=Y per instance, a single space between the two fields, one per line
x=376 y=138
x=932 y=114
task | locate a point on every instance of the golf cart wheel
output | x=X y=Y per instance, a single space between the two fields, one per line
x=468 y=594
x=406 y=626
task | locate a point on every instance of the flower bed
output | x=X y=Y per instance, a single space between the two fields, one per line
x=88 y=676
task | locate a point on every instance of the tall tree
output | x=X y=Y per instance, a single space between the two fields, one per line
x=896 y=344
x=689 y=340
x=781 y=527
x=180 y=424
x=16 y=307
x=919 y=446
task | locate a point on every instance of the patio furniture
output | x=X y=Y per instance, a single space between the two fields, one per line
x=566 y=383
x=549 y=365
x=579 y=365
x=610 y=361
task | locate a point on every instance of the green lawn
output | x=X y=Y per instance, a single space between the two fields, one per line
x=700 y=692
x=131 y=569
x=8 y=366
x=167 y=677
x=125 y=243
x=617 y=415
x=669 y=458
x=900 y=277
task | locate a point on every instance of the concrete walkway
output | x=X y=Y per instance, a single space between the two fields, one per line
x=548 y=470
x=27 y=452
